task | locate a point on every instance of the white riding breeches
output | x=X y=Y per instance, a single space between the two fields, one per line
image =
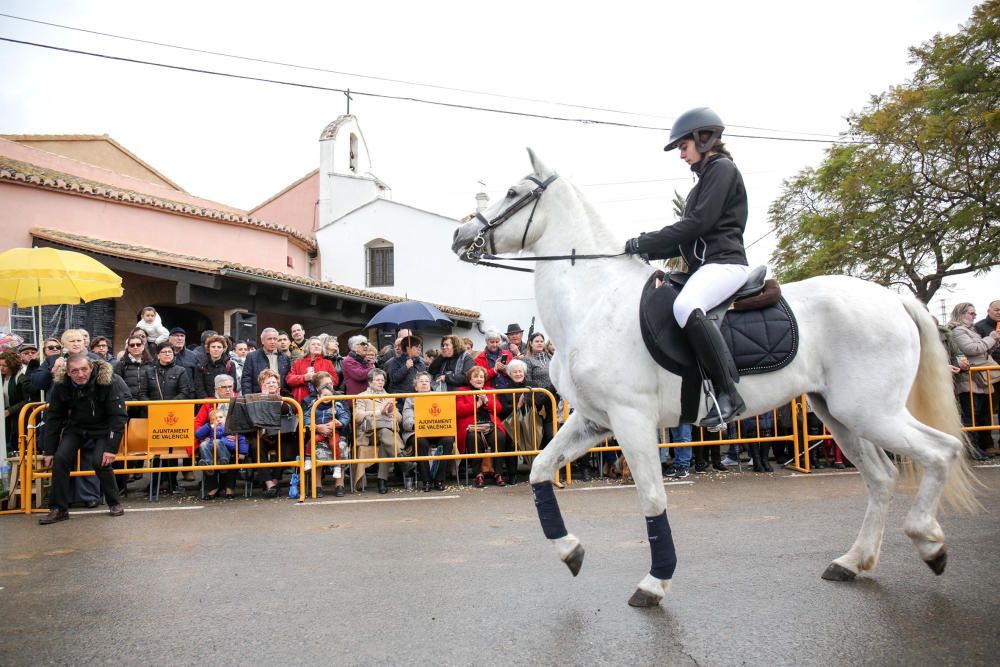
x=707 y=288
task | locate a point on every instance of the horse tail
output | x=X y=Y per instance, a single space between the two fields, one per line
x=932 y=402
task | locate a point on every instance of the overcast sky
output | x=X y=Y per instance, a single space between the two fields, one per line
x=788 y=69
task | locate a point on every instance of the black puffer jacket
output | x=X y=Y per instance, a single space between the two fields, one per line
x=130 y=371
x=207 y=370
x=453 y=369
x=711 y=229
x=165 y=383
x=97 y=408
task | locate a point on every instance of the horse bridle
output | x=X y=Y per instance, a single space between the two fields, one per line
x=476 y=252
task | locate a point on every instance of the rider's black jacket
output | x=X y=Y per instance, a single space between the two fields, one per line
x=711 y=229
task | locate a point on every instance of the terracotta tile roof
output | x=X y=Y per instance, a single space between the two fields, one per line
x=25 y=173
x=221 y=267
x=19 y=138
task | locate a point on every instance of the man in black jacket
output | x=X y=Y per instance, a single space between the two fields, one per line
x=268 y=356
x=86 y=411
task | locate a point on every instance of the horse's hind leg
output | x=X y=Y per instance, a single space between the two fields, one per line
x=575 y=437
x=636 y=435
x=879 y=475
x=937 y=452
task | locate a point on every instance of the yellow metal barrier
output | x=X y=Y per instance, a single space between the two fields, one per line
x=356 y=460
x=151 y=453
x=717 y=438
x=18 y=475
x=977 y=424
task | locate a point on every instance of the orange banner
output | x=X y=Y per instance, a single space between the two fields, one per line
x=170 y=425
x=434 y=416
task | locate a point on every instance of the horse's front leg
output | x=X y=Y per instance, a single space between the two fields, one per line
x=637 y=436
x=575 y=437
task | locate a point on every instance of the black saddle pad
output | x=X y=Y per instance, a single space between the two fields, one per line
x=760 y=340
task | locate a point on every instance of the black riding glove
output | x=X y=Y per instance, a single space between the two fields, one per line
x=632 y=246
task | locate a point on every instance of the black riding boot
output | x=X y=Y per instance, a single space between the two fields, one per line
x=716 y=360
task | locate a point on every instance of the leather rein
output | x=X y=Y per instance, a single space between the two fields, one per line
x=476 y=251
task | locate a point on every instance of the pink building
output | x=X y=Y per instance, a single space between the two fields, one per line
x=197 y=261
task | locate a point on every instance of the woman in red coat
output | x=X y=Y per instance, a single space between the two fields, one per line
x=303 y=370
x=479 y=417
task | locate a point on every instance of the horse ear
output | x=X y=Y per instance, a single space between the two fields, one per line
x=536 y=164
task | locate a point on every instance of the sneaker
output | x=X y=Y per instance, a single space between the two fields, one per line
x=729 y=462
x=680 y=473
x=720 y=467
x=701 y=470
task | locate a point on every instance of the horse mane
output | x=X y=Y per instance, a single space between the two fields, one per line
x=602 y=233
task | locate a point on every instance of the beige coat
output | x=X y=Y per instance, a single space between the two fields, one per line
x=977 y=350
x=368 y=413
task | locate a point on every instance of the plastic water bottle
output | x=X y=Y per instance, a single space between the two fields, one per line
x=293 y=488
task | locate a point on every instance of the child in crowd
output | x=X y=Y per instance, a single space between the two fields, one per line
x=223 y=444
x=150 y=322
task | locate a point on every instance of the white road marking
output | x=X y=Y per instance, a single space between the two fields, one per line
x=311 y=503
x=140 y=509
x=823 y=474
x=622 y=486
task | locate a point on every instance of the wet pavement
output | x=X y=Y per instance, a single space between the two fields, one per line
x=465 y=577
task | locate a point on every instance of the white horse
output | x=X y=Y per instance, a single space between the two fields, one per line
x=869 y=359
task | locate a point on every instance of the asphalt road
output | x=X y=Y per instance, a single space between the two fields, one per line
x=465 y=577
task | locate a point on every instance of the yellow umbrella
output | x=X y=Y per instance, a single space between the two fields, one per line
x=46 y=276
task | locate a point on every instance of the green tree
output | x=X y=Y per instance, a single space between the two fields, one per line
x=917 y=198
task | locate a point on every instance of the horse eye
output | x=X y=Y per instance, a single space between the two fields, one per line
x=511 y=193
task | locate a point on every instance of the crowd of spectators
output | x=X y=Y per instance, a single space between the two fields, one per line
x=157 y=364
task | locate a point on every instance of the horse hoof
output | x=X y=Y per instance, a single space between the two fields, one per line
x=574 y=561
x=643 y=598
x=838 y=573
x=938 y=562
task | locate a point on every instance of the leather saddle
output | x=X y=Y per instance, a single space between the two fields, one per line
x=756 y=323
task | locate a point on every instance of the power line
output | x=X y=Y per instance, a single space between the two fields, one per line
x=759 y=239
x=452 y=105
x=376 y=78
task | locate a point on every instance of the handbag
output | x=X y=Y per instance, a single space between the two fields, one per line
x=982 y=379
x=289 y=423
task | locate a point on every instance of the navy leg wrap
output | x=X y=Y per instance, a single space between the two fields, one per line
x=661 y=544
x=548 y=511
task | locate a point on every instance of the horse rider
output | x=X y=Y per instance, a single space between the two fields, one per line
x=709 y=237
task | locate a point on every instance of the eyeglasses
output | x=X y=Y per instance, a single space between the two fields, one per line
x=225 y=386
x=135 y=344
x=52 y=347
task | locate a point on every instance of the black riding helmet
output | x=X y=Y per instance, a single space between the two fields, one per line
x=690 y=123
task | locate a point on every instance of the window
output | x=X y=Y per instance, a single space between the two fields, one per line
x=379 y=263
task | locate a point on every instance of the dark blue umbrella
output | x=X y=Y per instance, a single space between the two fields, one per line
x=409 y=315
